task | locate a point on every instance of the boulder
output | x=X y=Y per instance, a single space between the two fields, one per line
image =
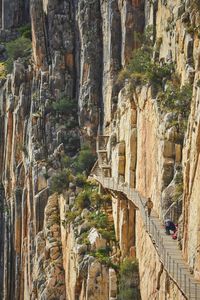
x=96 y=240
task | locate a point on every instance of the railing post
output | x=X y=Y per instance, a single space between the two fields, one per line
x=168 y=261
x=195 y=291
x=158 y=239
x=162 y=250
x=177 y=270
x=156 y=236
x=189 y=287
x=185 y=286
x=164 y=254
x=173 y=266
x=149 y=225
x=146 y=220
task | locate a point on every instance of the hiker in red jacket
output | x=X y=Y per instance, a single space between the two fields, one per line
x=169 y=227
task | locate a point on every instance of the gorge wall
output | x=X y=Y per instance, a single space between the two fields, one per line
x=62 y=96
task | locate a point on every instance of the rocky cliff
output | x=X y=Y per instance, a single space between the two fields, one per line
x=71 y=71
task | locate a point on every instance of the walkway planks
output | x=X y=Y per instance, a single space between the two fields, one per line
x=166 y=247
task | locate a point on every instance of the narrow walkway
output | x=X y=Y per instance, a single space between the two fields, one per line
x=166 y=247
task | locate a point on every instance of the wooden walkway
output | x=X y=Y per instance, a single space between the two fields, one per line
x=166 y=247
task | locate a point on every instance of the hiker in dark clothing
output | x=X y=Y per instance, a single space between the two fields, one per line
x=149 y=206
x=169 y=226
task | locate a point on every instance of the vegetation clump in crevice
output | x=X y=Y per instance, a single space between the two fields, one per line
x=178 y=186
x=65 y=106
x=103 y=255
x=3 y=71
x=74 y=170
x=64 y=114
x=96 y=209
x=19 y=48
x=129 y=280
x=84 y=160
x=177 y=100
x=60 y=181
x=25 y=31
x=142 y=69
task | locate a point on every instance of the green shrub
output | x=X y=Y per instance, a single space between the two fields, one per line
x=25 y=31
x=83 y=199
x=81 y=180
x=179 y=178
x=108 y=234
x=66 y=161
x=96 y=199
x=128 y=267
x=70 y=216
x=85 y=160
x=60 y=181
x=102 y=255
x=179 y=186
x=141 y=69
x=71 y=123
x=84 y=238
x=20 y=47
x=178 y=191
x=145 y=38
x=99 y=220
x=71 y=143
x=65 y=106
x=129 y=280
x=3 y=71
x=176 y=100
x=156 y=73
x=140 y=62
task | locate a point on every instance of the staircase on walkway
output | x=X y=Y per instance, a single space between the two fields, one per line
x=103 y=162
x=167 y=248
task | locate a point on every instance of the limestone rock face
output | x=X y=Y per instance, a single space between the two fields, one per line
x=48 y=272
x=14 y=13
x=191 y=182
x=78 y=49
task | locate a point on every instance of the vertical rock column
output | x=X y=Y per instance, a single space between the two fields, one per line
x=8 y=8
x=17 y=241
x=2 y=226
x=14 y=13
x=111 y=28
x=90 y=94
x=124 y=215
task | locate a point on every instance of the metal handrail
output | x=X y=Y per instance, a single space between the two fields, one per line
x=177 y=271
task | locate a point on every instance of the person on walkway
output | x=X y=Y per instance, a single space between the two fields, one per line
x=169 y=227
x=149 y=206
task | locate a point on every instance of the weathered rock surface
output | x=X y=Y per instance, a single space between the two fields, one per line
x=78 y=49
